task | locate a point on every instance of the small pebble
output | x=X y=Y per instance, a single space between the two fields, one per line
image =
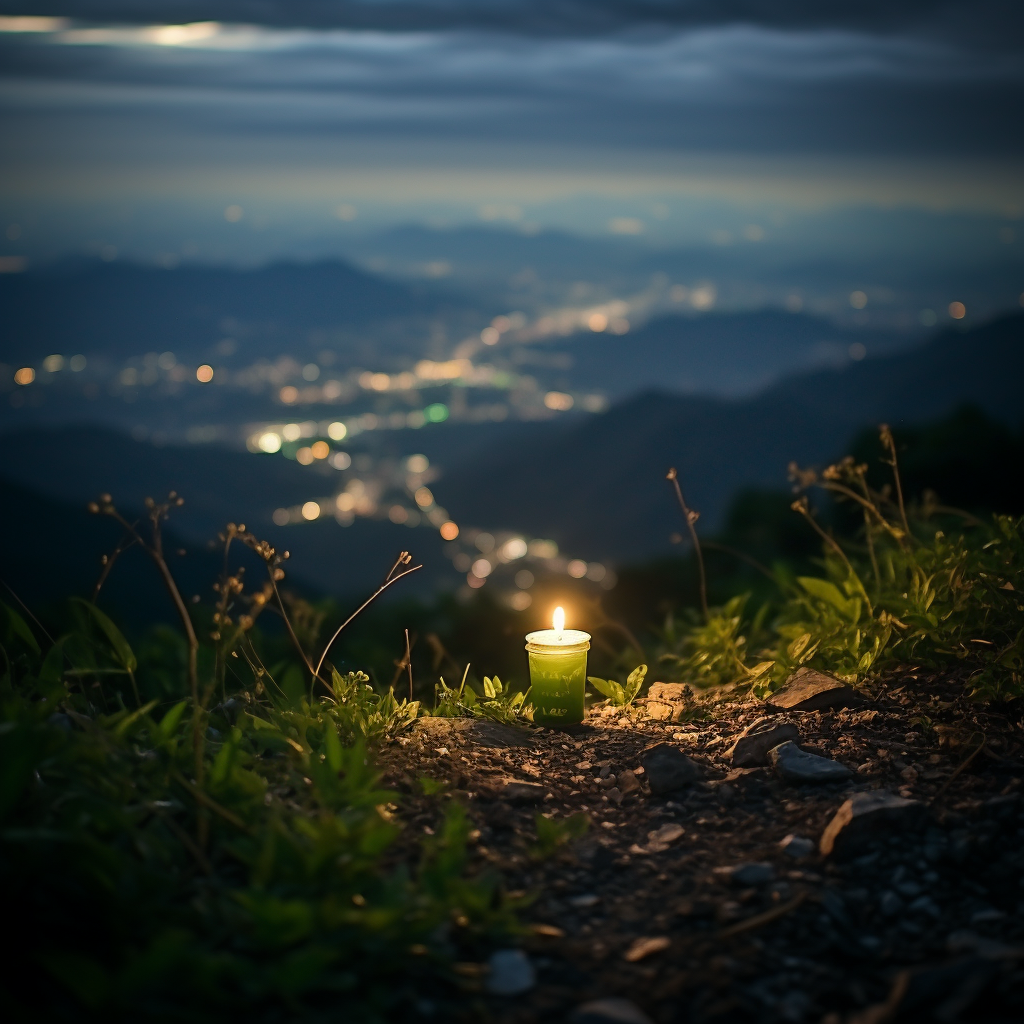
x=751 y=873
x=797 y=847
x=510 y=973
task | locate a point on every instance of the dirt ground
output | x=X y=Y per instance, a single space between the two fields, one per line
x=715 y=918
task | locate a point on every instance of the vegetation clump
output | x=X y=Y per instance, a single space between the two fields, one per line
x=920 y=583
x=193 y=825
x=171 y=858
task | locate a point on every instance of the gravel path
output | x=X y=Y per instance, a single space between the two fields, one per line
x=712 y=901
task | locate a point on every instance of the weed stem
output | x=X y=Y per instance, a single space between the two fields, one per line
x=691 y=518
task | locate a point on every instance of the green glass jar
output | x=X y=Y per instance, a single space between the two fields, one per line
x=558 y=675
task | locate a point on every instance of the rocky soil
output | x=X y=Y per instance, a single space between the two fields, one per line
x=856 y=858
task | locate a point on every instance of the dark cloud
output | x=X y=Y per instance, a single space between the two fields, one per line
x=981 y=22
x=728 y=88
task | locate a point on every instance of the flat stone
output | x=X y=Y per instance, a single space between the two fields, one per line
x=659 y=839
x=523 y=792
x=609 y=1011
x=797 y=847
x=810 y=690
x=627 y=782
x=668 y=769
x=865 y=817
x=751 y=749
x=510 y=973
x=668 y=691
x=795 y=765
x=749 y=874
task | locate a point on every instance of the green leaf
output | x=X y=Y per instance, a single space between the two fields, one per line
x=796 y=648
x=611 y=689
x=124 y=654
x=332 y=747
x=20 y=628
x=169 y=723
x=634 y=681
x=830 y=594
x=129 y=720
x=225 y=760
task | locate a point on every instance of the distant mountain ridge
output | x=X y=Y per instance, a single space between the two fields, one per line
x=597 y=486
x=124 y=309
x=728 y=354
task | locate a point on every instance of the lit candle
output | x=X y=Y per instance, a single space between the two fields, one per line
x=558 y=672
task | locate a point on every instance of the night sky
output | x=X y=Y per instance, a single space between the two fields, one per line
x=132 y=126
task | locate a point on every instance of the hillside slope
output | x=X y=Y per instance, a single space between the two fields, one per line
x=598 y=487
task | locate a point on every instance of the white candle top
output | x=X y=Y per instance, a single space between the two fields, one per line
x=558 y=637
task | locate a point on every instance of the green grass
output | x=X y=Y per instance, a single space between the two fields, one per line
x=191 y=825
x=273 y=886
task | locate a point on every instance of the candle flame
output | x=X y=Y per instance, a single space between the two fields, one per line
x=558 y=620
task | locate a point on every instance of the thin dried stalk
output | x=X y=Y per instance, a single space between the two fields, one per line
x=403 y=559
x=691 y=519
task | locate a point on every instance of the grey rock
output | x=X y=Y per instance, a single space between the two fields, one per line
x=861 y=820
x=749 y=874
x=511 y=973
x=668 y=769
x=523 y=792
x=890 y=904
x=609 y=1011
x=810 y=690
x=795 y=765
x=752 y=746
x=628 y=782
x=797 y=847
x=925 y=905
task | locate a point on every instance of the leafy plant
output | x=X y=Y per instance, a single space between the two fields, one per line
x=498 y=701
x=554 y=833
x=925 y=583
x=171 y=857
x=618 y=694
